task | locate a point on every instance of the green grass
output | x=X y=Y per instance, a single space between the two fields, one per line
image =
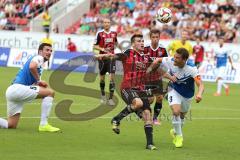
x=213 y=133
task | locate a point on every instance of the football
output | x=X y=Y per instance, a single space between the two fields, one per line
x=164 y=15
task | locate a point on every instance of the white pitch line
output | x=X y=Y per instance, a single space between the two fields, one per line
x=197 y=108
x=197 y=118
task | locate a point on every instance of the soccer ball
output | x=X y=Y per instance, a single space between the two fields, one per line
x=164 y=15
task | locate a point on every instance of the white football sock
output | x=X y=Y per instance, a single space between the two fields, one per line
x=46 y=109
x=182 y=122
x=224 y=84
x=3 y=123
x=219 y=86
x=176 y=121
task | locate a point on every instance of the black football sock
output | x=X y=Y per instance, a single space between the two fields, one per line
x=157 y=110
x=149 y=133
x=102 y=86
x=111 y=89
x=125 y=112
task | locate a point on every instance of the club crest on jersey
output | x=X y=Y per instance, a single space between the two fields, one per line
x=160 y=53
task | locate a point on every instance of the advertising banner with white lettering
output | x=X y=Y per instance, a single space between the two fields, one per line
x=73 y=61
x=208 y=68
x=85 y=44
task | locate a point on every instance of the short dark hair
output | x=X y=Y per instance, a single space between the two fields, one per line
x=42 y=45
x=154 y=31
x=136 y=36
x=183 y=52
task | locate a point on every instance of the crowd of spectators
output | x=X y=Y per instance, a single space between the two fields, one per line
x=204 y=19
x=18 y=12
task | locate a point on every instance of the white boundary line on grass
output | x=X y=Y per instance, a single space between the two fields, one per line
x=197 y=118
x=215 y=109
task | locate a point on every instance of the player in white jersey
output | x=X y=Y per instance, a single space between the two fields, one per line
x=221 y=58
x=181 y=90
x=28 y=86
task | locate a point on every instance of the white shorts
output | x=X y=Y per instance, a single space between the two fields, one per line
x=221 y=72
x=17 y=94
x=175 y=98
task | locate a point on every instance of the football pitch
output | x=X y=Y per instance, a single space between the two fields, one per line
x=211 y=131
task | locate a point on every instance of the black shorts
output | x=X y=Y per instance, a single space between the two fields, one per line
x=128 y=96
x=106 y=66
x=156 y=85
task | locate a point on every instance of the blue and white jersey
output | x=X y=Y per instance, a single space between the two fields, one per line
x=221 y=56
x=185 y=77
x=25 y=76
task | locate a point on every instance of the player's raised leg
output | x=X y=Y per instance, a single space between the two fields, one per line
x=132 y=106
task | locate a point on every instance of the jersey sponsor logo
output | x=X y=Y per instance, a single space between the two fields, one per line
x=108 y=40
x=140 y=66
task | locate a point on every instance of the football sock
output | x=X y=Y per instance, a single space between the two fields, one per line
x=102 y=87
x=219 y=86
x=3 y=123
x=111 y=89
x=46 y=109
x=224 y=84
x=182 y=122
x=149 y=133
x=157 y=110
x=176 y=121
x=125 y=112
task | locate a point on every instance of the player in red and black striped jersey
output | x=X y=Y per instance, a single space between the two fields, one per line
x=135 y=64
x=105 y=43
x=154 y=79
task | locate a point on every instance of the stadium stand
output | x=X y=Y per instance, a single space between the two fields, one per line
x=207 y=19
x=16 y=14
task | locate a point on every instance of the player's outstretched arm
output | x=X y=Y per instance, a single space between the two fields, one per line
x=117 y=56
x=171 y=78
x=200 y=86
x=154 y=65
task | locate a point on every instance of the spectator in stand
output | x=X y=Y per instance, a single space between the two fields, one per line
x=71 y=46
x=10 y=8
x=25 y=10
